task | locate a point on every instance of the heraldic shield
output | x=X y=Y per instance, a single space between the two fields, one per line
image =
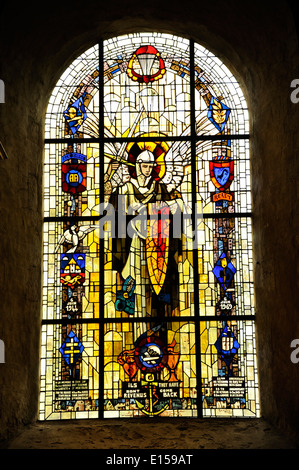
x=157 y=245
x=73 y=173
x=222 y=173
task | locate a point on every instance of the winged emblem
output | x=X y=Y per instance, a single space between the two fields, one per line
x=218 y=113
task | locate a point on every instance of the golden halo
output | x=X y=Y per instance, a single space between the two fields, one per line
x=156 y=147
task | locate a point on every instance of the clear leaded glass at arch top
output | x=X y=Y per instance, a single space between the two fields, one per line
x=148 y=295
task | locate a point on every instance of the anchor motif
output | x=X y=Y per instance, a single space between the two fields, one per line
x=151 y=383
x=150 y=356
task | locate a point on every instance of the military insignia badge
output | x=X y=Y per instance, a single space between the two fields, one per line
x=75 y=114
x=222 y=173
x=73 y=173
x=72 y=269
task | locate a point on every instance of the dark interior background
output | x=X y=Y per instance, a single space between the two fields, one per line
x=258 y=41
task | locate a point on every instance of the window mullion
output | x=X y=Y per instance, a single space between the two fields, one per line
x=194 y=224
x=101 y=263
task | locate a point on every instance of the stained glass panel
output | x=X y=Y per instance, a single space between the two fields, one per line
x=229 y=369
x=69 y=371
x=153 y=376
x=73 y=109
x=148 y=293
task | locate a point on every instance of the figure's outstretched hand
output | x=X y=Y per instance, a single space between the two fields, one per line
x=114 y=165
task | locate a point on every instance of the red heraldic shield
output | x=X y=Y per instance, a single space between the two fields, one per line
x=157 y=245
x=222 y=173
x=73 y=177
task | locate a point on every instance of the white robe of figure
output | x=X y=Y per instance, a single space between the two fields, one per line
x=136 y=263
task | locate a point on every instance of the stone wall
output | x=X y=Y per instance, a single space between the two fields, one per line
x=257 y=41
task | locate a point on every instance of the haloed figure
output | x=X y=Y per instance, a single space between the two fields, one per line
x=149 y=261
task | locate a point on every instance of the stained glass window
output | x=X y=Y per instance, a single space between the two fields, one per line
x=148 y=293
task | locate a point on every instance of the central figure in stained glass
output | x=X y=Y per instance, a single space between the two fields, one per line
x=149 y=271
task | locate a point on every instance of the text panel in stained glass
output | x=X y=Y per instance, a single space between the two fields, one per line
x=147 y=229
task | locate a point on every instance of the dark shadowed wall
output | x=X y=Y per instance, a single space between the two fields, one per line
x=257 y=40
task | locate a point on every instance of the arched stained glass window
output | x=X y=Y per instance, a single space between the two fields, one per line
x=148 y=296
